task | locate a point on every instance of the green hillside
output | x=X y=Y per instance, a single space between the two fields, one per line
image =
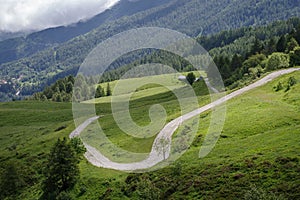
x=20 y=47
x=257 y=154
x=194 y=17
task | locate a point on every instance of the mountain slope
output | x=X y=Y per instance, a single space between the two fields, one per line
x=20 y=47
x=192 y=17
x=262 y=151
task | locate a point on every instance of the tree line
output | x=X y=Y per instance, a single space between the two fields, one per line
x=39 y=69
x=63 y=89
x=263 y=55
x=239 y=54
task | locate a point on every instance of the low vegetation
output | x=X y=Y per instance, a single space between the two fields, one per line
x=256 y=158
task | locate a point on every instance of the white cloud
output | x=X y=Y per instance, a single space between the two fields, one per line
x=28 y=15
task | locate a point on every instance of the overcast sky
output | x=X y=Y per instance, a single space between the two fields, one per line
x=27 y=15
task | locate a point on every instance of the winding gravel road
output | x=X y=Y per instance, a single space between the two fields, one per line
x=156 y=155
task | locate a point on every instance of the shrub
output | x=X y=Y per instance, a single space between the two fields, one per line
x=278 y=61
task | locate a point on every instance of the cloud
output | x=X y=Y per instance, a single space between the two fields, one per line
x=29 y=15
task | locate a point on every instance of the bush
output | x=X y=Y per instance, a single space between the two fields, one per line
x=278 y=61
x=191 y=78
x=295 y=57
x=10 y=181
x=63 y=196
x=278 y=87
x=259 y=194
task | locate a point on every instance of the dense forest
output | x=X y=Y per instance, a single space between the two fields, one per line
x=193 y=17
x=20 y=47
x=62 y=90
x=236 y=52
x=272 y=50
x=224 y=46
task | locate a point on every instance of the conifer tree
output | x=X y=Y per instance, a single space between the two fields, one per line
x=281 y=44
x=108 y=90
x=191 y=78
x=99 y=92
x=61 y=172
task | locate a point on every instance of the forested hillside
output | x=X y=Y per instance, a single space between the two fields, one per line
x=193 y=17
x=16 y=48
x=264 y=53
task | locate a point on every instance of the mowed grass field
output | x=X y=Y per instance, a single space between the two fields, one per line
x=150 y=85
x=258 y=148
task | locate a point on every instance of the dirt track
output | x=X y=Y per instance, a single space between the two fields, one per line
x=156 y=155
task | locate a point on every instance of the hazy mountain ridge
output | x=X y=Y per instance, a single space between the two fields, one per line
x=16 y=48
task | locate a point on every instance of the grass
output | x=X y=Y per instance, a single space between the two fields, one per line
x=261 y=127
x=139 y=109
x=149 y=86
x=28 y=131
x=258 y=148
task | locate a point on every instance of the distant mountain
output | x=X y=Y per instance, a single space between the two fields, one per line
x=7 y=35
x=16 y=48
x=193 y=17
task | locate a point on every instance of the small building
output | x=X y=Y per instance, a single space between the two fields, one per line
x=182 y=78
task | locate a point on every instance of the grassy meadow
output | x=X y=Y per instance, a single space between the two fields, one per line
x=256 y=155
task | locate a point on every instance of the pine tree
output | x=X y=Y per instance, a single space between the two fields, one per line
x=281 y=44
x=236 y=62
x=271 y=47
x=61 y=172
x=48 y=92
x=292 y=44
x=295 y=57
x=71 y=79
x=59 y=98
x=61 y=85
x=10 y=181
x=256 y=47
x=297 y=34
x=108 y=90
x=99 y=92
x=69 y=87
x=191 y=78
